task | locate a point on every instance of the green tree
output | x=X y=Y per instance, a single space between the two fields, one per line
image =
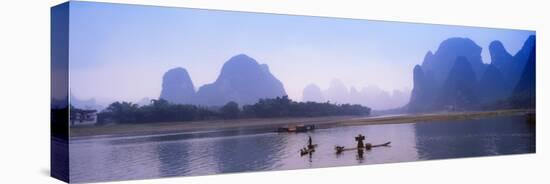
x=230 y=110
x=123 y=112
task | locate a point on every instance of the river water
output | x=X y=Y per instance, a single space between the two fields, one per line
x=201 y=153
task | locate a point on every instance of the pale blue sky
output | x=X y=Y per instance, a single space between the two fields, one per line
x=120 y=52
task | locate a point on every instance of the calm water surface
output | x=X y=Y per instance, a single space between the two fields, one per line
x=139 y=157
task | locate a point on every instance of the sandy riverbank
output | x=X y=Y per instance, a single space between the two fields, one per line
x=273 y=123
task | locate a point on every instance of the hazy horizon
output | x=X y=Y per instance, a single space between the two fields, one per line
x=120 y=52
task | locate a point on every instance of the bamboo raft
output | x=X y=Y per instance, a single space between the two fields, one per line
x=305 y=151
x=368 y=146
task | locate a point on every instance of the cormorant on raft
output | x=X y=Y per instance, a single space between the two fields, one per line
x=305 y=151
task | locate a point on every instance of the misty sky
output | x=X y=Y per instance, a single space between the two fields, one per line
x=120 y=52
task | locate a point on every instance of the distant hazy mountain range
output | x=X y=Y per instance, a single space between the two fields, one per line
x=455 y=78
x=84 y=104
x=371 y=96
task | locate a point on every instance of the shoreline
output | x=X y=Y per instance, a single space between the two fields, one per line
x=274 y=123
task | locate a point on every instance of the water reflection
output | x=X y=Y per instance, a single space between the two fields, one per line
x=247 y=153
x=360 y=155
x=173 y=158
x=100 y=159
x=496 y=136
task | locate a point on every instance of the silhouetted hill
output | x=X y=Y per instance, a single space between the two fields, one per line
x=504 y=63
x=500 y=58
x=424 y=91
x=524 y=95
x=468 y=83
x=177 y=87
x=459 y=90
x=241 y=80
x=493 y=86
x=432 y=77
x=522 y=57
x=441 y=62
x=510 y=66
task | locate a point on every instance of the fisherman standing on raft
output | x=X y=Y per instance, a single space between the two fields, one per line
x=360 y=138
x=309 y=143
x=310 y=148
